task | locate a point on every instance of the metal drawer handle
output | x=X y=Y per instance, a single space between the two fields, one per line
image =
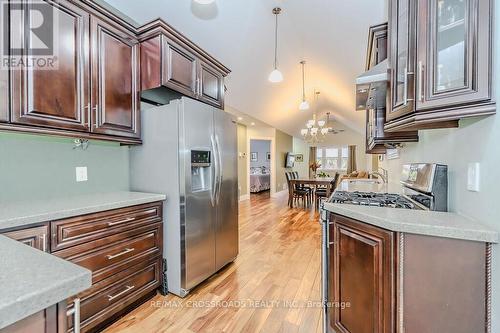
x=112 y=256
x=129 y=219
x=75 y=312
x=127 y=289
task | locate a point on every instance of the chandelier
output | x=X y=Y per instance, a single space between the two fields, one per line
x=316 y=130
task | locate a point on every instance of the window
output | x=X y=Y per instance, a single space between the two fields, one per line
x=332 y=158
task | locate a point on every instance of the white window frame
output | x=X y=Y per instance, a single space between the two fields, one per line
x=324 y=158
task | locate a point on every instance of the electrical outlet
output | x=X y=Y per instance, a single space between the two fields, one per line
x=473 y=177
x=81 y=174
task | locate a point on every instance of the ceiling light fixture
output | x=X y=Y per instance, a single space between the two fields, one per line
x=315 y=131
x=304 y=105
x=276 y=75
x=204 y=2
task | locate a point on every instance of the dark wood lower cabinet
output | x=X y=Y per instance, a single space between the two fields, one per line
x=122 y=247
x=36 y=237
x=50 y=320
x=362 y=281
x=388 y=282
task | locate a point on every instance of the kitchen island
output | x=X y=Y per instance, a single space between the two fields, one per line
x=404 y=270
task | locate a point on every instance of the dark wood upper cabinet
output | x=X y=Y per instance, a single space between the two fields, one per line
x=363 y=278
x=53 y=96
x=377 y=139
x=37 y=237
x=179 y=68
x=211 y=86
x=401 y=58
x=90 y=83
x=454 y=53
x=115 y=78
x=440 y=63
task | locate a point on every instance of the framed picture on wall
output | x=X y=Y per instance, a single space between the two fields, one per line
x=254 y=157
x=299 y=158
x=268 y=156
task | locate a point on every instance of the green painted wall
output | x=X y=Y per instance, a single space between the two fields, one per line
x=33 y=167
x=284 y=144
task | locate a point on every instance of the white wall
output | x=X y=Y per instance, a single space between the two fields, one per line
x=477 y=140
x=261 y=147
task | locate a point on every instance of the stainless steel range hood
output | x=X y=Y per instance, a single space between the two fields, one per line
x=371 y=87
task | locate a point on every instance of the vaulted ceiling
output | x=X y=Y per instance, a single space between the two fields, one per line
x=331 y=35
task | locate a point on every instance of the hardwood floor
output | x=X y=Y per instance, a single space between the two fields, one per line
x=276 y=274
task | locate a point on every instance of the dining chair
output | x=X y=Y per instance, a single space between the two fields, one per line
x=321 y=193
x=296 y=193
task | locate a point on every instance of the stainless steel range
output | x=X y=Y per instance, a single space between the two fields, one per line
x=425 y=186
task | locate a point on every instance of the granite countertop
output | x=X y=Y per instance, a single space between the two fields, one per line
x=21 y=213
x=32 y=280
x=440 y=224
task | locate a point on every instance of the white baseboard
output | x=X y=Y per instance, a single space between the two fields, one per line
x=280 y=193
x=244 y=197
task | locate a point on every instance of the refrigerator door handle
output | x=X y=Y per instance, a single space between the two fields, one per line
x=220 y=171
x=215 y=168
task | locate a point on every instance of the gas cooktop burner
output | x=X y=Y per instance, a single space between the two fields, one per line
x=372 y=199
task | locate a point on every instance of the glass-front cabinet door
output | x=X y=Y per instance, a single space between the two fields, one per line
x=401 y=57
x=453 y=60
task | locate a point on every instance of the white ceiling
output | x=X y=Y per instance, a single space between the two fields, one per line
x=331 y=35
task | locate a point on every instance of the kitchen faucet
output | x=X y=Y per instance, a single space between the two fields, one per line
x=384 y=175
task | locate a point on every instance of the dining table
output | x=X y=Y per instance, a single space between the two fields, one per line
x=314 y=182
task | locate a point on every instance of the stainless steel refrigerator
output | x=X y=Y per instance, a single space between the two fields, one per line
x=189 y=152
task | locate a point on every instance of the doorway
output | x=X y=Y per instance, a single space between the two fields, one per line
x=260 y=158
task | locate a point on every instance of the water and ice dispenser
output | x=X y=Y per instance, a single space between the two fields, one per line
x=201 y=175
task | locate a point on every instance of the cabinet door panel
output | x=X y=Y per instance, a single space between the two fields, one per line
x=36 y=237
x=211 y=86
x=179 y=68
x=53 y=96
x=115 y=80
x=453 y=53
x=401 y=59
x=362 y=278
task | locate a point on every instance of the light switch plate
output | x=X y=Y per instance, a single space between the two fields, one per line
x=81 y=174
x=473 y=177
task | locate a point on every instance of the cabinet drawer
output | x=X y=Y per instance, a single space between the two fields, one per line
x=78 y=230
x=35 y=237
x=114 y=294
x=115 y=256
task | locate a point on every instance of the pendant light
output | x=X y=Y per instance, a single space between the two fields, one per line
x=304 y=105
x=276 y=75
